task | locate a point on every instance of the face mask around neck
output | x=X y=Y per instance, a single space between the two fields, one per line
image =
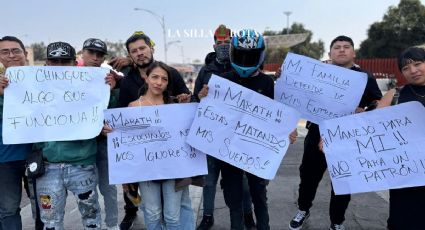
x=222 y=52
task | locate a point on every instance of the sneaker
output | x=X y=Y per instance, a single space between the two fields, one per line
x=298 y=220
x=249 y=221
x=128 y=220
x=206 y=223
x=336 y=227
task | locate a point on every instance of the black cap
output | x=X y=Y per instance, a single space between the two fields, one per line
x=60 y=50
x=95 y=44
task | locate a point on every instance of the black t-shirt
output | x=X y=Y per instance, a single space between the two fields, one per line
x=371 y=92
x=412 y=93
x=131 y=84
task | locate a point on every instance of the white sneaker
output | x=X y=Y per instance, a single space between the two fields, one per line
x=337 y=227
x=298 y=220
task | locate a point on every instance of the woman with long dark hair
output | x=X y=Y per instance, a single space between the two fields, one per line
x=407 y=204
x=160 y=198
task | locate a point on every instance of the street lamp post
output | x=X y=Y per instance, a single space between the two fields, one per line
x=182 y=53
x=161 y=21
x=287 y=13
x=171 y=43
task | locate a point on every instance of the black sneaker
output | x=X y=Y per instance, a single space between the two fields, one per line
x=206 y=223
x=249 y=221
x=298 y=220
x=336 y=227
x=128 y=220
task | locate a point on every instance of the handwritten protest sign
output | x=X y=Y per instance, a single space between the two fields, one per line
x=48 y=103
x=149 y=143
x=377 y=150
x=242 y=128
x=319 y=91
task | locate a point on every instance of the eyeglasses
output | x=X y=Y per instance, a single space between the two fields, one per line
x=15 y=51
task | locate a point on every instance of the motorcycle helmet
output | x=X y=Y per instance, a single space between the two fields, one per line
x=247 y=51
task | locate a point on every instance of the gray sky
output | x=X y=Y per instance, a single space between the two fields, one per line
x=187 y=21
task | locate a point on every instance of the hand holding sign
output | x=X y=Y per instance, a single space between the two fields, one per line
x=56 y=103
x=319 y=91
x=149 y=143
x=241 y=127
x=377 y=150
x=4 y=82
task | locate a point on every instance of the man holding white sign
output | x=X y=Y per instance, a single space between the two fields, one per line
x=244 y=112
x=218 y=66
x=70 y=165
x=57 y=102
x=12 y=157
x=313 y=164
x=318 y=90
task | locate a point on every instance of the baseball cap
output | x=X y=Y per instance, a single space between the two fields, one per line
x=60 y=50
x=96 y=45
x=222 y=33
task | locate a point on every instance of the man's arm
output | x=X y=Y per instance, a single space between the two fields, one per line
x=199 y=83
x=371 y=92
x=4 y=82
x=124 y=97
x=179 y=86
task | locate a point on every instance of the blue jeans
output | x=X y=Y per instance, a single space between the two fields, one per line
x=52 y=192
x=109 y=192
x=209 y=189
x=11 y=174
x=153 y=206
x=187 y=219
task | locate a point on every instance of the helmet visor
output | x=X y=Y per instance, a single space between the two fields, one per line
x=246 y=57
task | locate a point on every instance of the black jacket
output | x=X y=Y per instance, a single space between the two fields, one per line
x=205 y=73
x=131 y=84
x=262 y=83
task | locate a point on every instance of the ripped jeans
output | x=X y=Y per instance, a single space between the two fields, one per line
x=52 y=190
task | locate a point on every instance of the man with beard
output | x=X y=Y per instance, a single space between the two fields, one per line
x=140 y=50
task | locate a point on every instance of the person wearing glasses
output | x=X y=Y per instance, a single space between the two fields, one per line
x=12 y=157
